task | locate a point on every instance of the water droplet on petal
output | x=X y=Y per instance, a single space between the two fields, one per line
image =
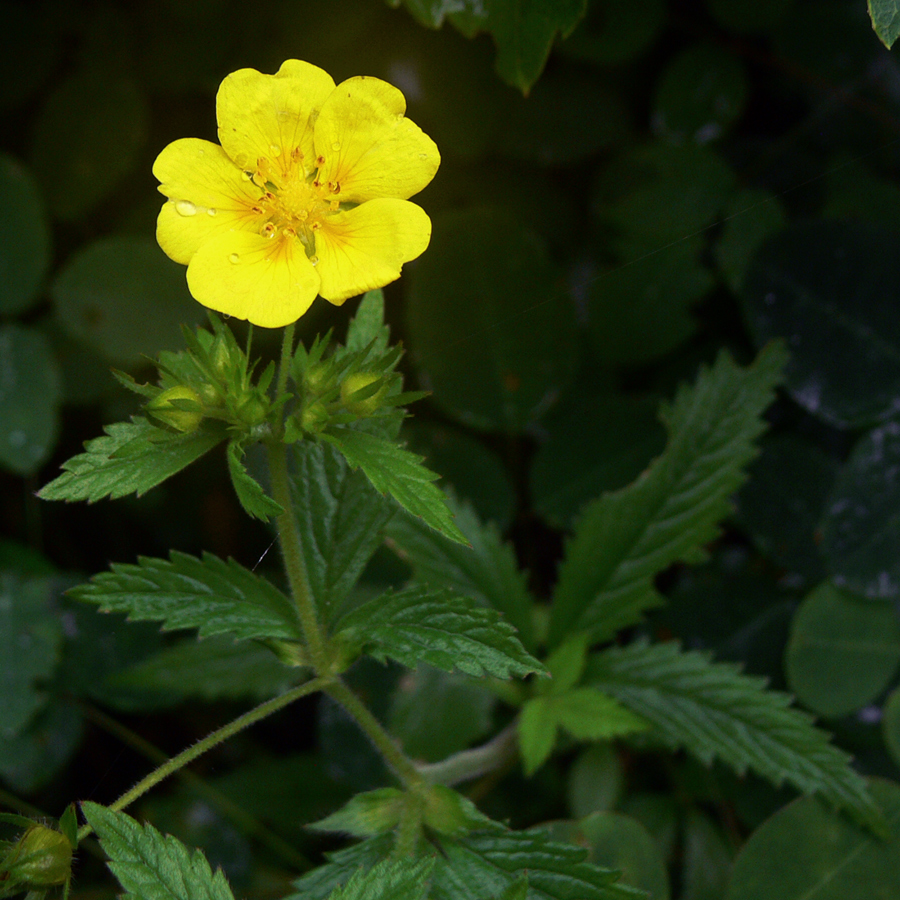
x=423 y=156
x=185 y=208
x=240 y=160
x=274 y=149
x=234 y=258
x=314 y=260
x=336 y=145
x=212 y=212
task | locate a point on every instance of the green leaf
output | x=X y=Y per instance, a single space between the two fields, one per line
x=885 y=20
x=255 y=501
x=24 y=238
x=30 y=642
x=150 y=866
x=215 y=596
x=825 y=288
x=805 y=851
x=101 y=121
x=486 y=864
x=441 y=628
x=708 y=856
x=486 y=570
x=341 y=866
x=712 y=710
x=123 y=298
x=400 y=879
x=395 y=471
x=586 y=713
x=523 y=31
x=860 y=527
x=130 y=459
x=368 y=326
x=213 y=669
x=365 y=815
x=340 y=516
x=843 y=651
x=29 y=397
x=624 y=539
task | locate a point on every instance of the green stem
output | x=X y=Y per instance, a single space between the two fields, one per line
x=402 y=764
x=207 y=743
x=469 y=764
x=292 y=552
x=223 y=803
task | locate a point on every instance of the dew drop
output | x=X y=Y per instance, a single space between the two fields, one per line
x=274 y=149
x=212 y=212
x=336 y=145
x=234 y=258
x=423 y=156
x=185 y=208
x=240 y=160
x=314 y=260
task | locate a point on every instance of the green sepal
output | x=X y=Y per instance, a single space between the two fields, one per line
x=365 y=815
x=254 y=500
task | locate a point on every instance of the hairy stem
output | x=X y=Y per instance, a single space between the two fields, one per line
x=393 y=755
x=211 y=740
x=222 y=802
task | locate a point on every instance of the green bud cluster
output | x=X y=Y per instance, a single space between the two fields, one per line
x=212 y=381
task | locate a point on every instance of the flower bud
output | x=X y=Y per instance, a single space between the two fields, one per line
x=181 y=419
x=40 y=858
x=314 y=418
x=357 y=384
x=252 y=411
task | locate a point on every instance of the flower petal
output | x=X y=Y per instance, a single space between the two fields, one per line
x=268 y=116
x=207 y=196
x=365 y=247
x=269 y=282
x=371 y=150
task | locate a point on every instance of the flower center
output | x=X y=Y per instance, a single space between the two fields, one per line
x=294 y=203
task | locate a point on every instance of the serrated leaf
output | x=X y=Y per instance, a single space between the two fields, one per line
x=401 y=879
x=714 y=711
x=441 y=628
x=210 y=594
x=213 y=669
x=252 y=497
x=486 y=864
x=151 y=866
x=395 y=471
x=885 y=16
x=368 y=325
x=586 y=713
x=340 y=517
x=486 y=570
x=624 y=539
x=341 y=866
x=130 y=459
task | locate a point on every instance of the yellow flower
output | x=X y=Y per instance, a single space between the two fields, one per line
x=306 y=195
